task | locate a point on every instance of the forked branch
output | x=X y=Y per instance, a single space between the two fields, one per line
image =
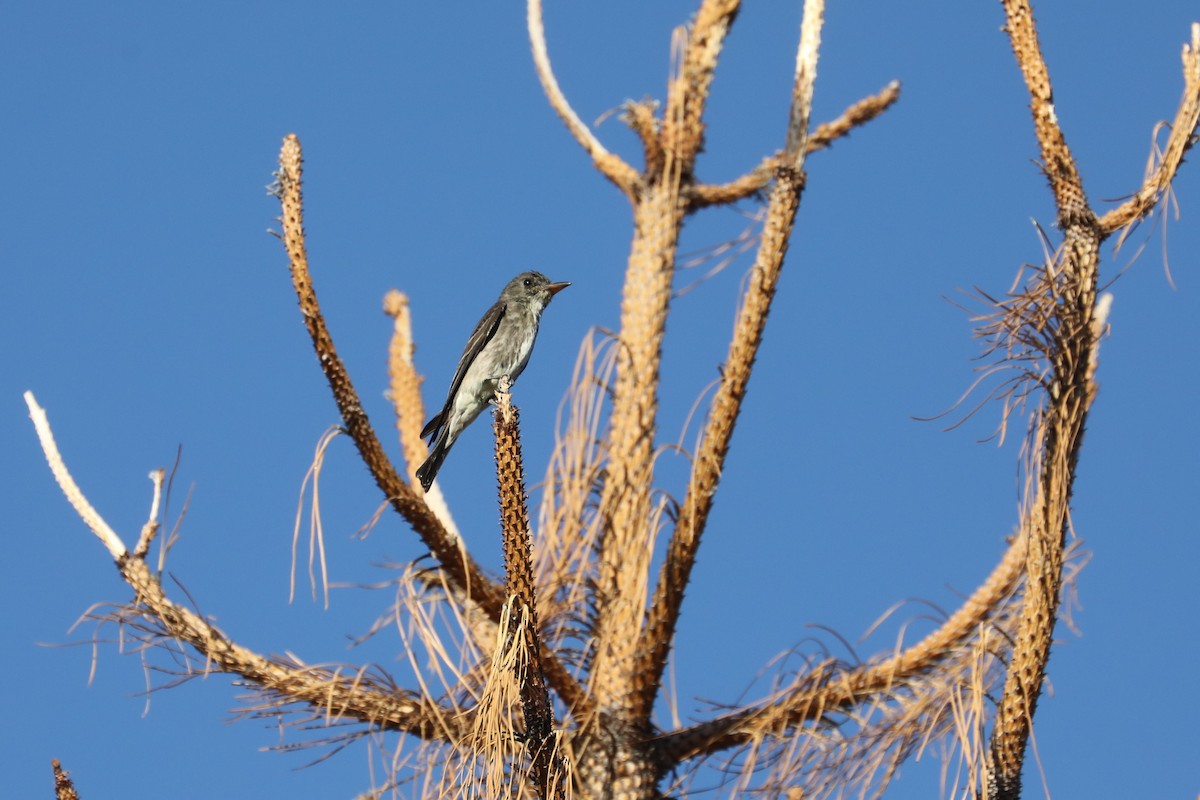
x=626 y=508
x=338 y=693
x=701 y=195
x=611 y=166
x=1056 y=318
x=1181 y=139
x=655 y=641
x=461 y=570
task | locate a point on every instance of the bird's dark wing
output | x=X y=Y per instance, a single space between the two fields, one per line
x=482 y=334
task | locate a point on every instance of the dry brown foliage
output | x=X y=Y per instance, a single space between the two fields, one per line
x=543 y=684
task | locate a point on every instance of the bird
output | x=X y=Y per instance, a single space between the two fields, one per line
x=499 y=346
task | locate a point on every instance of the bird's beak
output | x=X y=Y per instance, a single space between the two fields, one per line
x=555 y=288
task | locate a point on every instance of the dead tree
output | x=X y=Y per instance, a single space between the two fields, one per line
x=553 y=671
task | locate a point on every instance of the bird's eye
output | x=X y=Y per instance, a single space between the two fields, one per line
x=528 y=282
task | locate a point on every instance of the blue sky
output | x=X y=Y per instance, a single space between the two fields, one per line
x=148 y=308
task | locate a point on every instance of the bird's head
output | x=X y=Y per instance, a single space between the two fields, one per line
x=533 y=289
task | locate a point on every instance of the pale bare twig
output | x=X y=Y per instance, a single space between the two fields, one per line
x=89 y=515
x=611 y=166
x=150 y=529
x=404 y=382
x=802 y=86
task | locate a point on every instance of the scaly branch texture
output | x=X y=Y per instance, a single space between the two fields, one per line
x=548 y=768
x=655 y=640
x=1058 y=311
x=405 y=384
x=461 y=570
x=1057 y=322
x=64 y=789
x=627 y=537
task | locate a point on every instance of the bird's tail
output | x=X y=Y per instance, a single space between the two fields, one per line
x=429 y=470
x=433 y=427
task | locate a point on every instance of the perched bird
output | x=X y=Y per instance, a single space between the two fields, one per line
x=499 y=346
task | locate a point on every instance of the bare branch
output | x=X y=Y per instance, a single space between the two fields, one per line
x=447 y=549
x=405 y=395
x=629 y=521
x=830 y=688
x=150 y=529
x=641 y=120
x=701 y=195
x=1182 y=138
x=1060 y=307
x=656 y=638
x=802 y=86
x=611 y=166
x=687 y=97
x=321 y=688
x=461 y=570
x=405 y=388
x=857 y=115
x=89 y=515
x=540 y=740
x=1057 y=162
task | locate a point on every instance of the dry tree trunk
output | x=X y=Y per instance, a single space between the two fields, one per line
x=487 y=713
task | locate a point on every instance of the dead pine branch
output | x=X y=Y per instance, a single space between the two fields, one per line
x=654 y=643
x=1059 y=319
x=701 y=195
x=625 y=662
x=548 y=768
x=461 y=570
x=830 y=688
x=153 y=619
x=1181 y=139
